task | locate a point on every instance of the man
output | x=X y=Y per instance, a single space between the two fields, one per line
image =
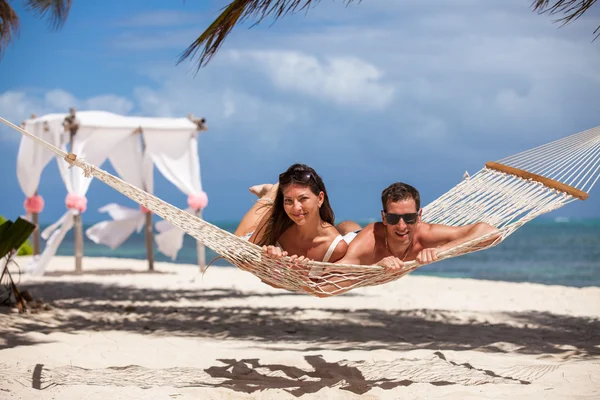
x=402 y=236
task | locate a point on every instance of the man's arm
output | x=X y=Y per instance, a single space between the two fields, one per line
x=439 y=238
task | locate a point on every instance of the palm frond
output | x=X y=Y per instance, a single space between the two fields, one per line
x=9 y=24
x=235 y=13
x=56 y=11
x=572 y=10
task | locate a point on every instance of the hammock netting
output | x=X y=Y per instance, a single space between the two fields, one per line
x=505 y=194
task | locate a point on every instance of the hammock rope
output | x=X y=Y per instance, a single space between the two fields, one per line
x=541 y=180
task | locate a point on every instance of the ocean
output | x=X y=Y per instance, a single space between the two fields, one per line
x=549 y=251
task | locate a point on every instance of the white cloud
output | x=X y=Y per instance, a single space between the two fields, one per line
x=59 y=100
x=150 y=102
x=109 y=102
x=444 y=74
x=495 y=82
x=237 y=115
x=17 y=106
x=347 y=81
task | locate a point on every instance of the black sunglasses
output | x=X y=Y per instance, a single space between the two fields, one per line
x=394 y=219
x=298 y=176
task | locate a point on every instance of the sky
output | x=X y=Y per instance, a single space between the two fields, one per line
x=367 y=94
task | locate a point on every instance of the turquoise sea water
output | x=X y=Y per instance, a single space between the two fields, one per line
x=548 y=251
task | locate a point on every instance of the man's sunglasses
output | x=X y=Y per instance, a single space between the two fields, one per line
x=298 y=176
x=394 y=219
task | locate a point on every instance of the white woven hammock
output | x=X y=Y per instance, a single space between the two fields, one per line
x=505 y=194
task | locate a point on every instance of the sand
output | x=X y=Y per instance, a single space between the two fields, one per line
x=118 y=332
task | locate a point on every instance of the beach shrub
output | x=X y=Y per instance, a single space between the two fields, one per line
x=26 y=248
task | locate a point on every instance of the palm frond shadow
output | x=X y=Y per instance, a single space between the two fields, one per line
x=251 y=375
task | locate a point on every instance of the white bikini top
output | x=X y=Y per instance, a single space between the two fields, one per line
x=330 y=250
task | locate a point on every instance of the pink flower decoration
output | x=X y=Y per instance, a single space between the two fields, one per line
x=76 y=202
x=198 y=201
x=34 y=204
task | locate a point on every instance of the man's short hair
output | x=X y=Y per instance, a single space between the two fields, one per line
x=398 y=192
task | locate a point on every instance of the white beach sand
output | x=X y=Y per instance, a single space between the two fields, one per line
x=117 y=332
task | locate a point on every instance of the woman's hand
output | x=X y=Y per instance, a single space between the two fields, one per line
x=274 y=251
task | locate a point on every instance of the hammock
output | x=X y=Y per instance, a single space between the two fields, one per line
x=505 y=194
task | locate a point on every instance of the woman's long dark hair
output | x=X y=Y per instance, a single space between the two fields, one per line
x=279 y=222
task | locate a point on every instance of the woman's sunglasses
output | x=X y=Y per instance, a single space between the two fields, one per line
x=394 y=219
x=298 y=176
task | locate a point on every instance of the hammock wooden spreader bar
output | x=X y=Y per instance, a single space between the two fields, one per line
x=551 y=183
x=502 y=194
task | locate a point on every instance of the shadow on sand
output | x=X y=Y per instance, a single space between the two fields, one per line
x=191 y=315
x=251 y=375
x=105 y=272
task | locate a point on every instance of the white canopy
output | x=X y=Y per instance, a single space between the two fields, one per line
x=170 y=142
x=108 y=120
x=93 y=143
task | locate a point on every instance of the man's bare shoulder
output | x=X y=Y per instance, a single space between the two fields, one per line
x=426 y=233
x=425 y=228
x=368 y=238
x=361 y=244
x=369 y=228
x=373 y=231
x=365 y=235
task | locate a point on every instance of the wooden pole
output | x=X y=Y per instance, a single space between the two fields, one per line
x=36 y=234
x=78 y=244
x=149 y=242
x=148 y=232
x=200 y=249
x=35 y=217
x=71 y=125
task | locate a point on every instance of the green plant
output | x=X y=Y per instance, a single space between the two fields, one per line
x=14 y=235
x=26 y=249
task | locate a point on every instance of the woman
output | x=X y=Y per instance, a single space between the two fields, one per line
x=294 y=217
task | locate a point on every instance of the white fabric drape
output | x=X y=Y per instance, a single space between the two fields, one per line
x=91 y=142
x=169 y=239
x=175 y=155
x=113 y=233
x=132 y=166
x=31 y=158
x=54 y=235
